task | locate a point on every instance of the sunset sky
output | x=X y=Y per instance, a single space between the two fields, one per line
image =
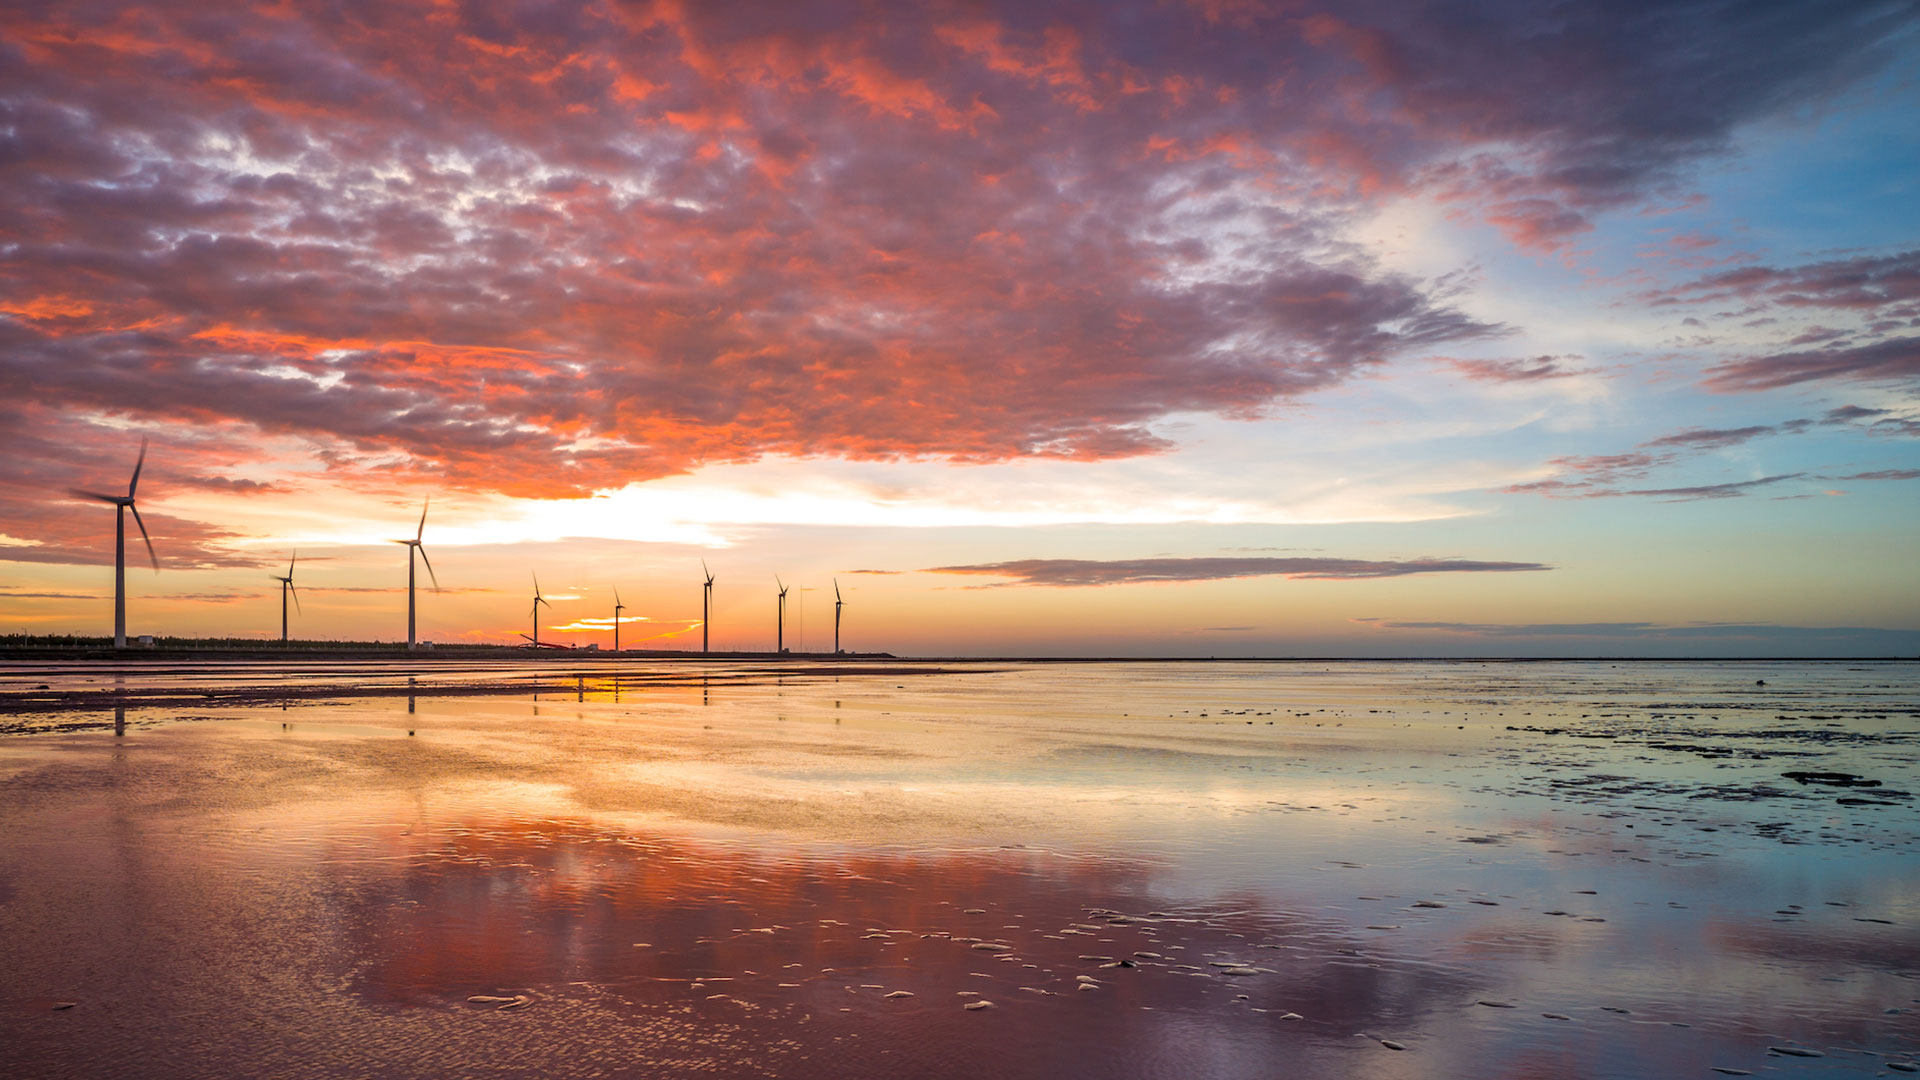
x=1188 y=328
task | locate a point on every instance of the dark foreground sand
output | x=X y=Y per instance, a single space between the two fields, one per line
x=1229 y=870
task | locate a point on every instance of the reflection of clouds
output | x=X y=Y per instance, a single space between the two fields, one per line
x=666 y=923
x=1835 y=945
x=774 y=940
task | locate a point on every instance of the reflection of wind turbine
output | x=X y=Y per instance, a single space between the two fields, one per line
x=618 y=607
x=780 y=623
x=706 y=609
x=537 y=601
x=837 y=605
x=413 y=545
x=286 y=586
x=123 y=503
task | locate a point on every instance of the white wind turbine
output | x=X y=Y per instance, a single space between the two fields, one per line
x=537 y=601
x=286 y=587
x=618 y=607
x=414 y=545
x=706 y=609
x=123 y=503
x=780 y=622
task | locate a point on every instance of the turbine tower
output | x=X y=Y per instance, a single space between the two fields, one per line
x=286 y=586
x=537 y=601
x=780 y=622
x=618 y=607
x=414 y=545
x=123 y=503
x=706 y=609
x=837 y=605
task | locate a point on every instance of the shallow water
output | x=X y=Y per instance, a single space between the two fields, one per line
x=725 y=870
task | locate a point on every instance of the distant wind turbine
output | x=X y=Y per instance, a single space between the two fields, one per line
x=123 y=503
x=780 y=622
x=837 y=605
x=706 y=609
x=537 y=601
x=618 y=607
x=286 y=587
x=414 y=545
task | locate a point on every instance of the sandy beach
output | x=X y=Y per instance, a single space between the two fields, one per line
x=1009 y=869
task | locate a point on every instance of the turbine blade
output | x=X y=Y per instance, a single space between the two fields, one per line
x=296 y=597
x=423 y=558
x=143 y=536
x=290 y=562
x=616 y=597
x=139 y=463
x=836 y=590
x=81 y=494
x=422 y=530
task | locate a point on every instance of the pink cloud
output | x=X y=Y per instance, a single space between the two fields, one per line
x=1515 y=371
x=544 y=251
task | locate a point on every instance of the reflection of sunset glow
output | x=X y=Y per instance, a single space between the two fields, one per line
x=777 y=938
x=751 y=868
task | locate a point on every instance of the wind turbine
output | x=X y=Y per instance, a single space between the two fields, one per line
x=537 y=601
x=286 y=586
x=413 y=545
x=837 y=605
x=706 y=608
x=618 y=607
x=780 y=624
x=123 y=503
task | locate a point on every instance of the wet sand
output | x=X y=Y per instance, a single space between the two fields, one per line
x=1311 y=870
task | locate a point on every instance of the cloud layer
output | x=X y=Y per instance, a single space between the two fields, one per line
x=1079 y=572
x=546 y=249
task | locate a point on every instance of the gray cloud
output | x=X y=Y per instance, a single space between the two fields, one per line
x=1708 y=491
x=1893 y=360
x=1080 y=572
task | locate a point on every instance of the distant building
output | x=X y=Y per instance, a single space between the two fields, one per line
x=146 y=641
x=593 y=646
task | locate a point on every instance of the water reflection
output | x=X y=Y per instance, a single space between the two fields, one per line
x=1613 y=855
x=768 y=941
x=802 y=948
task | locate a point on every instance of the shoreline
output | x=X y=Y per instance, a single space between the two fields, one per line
x=521 y=654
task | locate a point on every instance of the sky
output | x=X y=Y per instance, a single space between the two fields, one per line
x=1182 y=327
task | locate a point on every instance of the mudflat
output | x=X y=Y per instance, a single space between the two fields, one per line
x=624 y=868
